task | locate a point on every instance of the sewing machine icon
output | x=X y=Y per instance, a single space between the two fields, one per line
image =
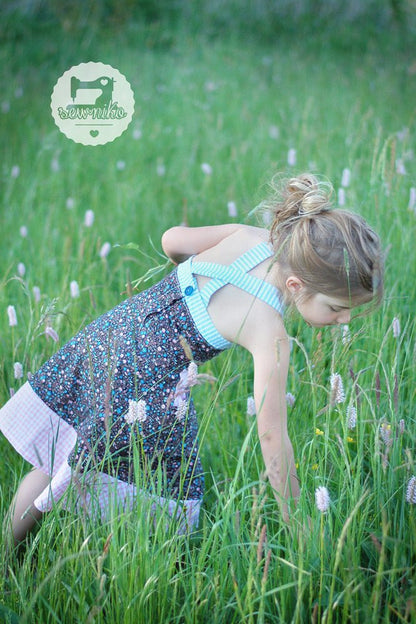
x=91 y=93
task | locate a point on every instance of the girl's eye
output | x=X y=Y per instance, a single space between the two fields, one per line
x=333 y=309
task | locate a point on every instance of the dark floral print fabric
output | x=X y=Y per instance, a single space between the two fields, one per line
x=116 y=381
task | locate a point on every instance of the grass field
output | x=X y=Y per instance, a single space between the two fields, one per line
x=238 y=105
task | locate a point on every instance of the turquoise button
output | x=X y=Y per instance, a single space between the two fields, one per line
x=189 y=290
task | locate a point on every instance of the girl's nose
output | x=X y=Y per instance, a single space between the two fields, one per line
x=344 y=317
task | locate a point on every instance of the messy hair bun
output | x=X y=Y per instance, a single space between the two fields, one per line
x=298 y=197
x=333 y=251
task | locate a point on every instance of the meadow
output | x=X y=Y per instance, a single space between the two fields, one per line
x=215 y=117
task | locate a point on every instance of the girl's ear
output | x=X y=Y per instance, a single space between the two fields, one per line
x=294 y=284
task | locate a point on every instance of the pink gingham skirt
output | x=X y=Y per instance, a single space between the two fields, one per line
x=45 y=440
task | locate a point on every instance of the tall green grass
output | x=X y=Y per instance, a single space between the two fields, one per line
x=238 y=106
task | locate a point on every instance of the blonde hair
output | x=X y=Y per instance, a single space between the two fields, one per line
x=333 y=251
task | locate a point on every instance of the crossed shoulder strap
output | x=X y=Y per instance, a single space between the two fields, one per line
x=237 y=274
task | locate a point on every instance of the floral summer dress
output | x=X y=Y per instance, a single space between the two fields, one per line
x=116 y=396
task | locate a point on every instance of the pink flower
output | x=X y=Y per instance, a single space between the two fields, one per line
x=290 y=399
x=74 y=289
x=351 y=417
x=181 y=410
x=49 y=331
x=160 y=169
x=15 y=172
x=23 y=231
x=12 y=316
x=386 y=433
x=232 y=209
x=274 y=132
x=251 y=406
x=346 y=177
x=206 y=168
x=36 y=293
x=18 y=370
x=188 y=377
x=136 y=412
x=412 y=198
x=89 y=218
x=21 y=269
x=322 y=499
x=411 y=491
x=55 y=166
x=341 y=197
x=105 y=250
x=337 y=389
x=396 y=327
x=400 y=166
x=291 y=157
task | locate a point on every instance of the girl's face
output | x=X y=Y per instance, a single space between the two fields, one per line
x=320 y=310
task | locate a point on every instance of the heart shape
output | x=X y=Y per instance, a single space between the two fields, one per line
x=104 y=81
x=94 y=133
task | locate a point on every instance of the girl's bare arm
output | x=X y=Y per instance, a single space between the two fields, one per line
x=180 y=242
x=271 y=361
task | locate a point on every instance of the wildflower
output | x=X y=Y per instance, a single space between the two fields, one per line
x=137 y=134
x=12 y=316
x=36 y=293
x=290 y=399
x=15 y=172
x=23 y=231
x=346 y=176
x=346 y=334
x=351 y=417
x=402 y=134
x=18 y=92
x=210 y=85
x=21 y=269
x=74 y=289
x=337 y=389
x=401 y=426
x=136 y=412
x=160 y=169
x=5 y=106
x=206 y=168
x=181 y=409
x=89 y=218
x=49 y=331
x=411 y=491
x=192 y=375
x=341 y=197
x=412 y=198
x=18 y=370
x=274 y=132
x=400 y=167
x=349 y=439
x=315 y=466
x=105 y=250
x=319 y=432
x=55 y=166
x=70 y=203
x=251 y=406
x=232 y=209
x=322 y=498
x=386 y=433
x=188 y=377
x=396 y=327
x=291 y=157
x=121 y=165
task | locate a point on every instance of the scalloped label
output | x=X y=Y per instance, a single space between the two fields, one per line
x=92 y=103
